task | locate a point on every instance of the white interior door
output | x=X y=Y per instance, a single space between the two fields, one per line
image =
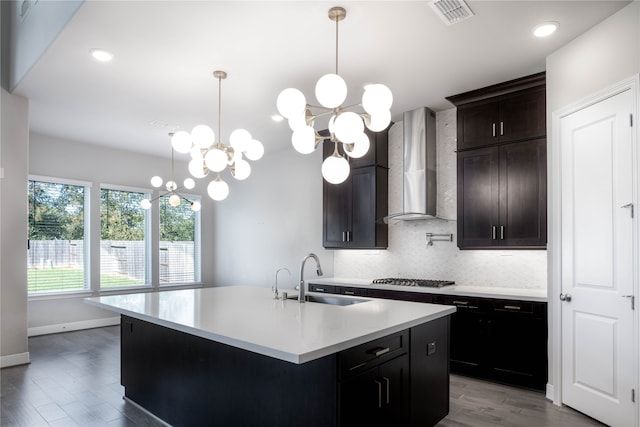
x=597 y=256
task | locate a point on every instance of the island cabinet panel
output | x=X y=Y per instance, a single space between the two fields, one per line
x=399 y=380
x=191 y=381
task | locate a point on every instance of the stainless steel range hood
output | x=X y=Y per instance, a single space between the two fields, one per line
x=419 y=167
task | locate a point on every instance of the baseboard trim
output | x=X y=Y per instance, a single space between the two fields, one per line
x=550 y=393
x=15 y=359
x=73 y=326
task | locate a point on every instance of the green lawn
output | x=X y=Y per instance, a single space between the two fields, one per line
x=52 y=280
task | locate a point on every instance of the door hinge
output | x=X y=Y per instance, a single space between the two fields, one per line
x=633 y=395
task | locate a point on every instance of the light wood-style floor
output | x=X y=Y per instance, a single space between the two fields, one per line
x=74 y=380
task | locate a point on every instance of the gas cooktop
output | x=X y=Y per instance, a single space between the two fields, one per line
x=413 y=282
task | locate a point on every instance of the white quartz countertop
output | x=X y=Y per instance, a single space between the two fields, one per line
x=539 y=295
x=249 y=318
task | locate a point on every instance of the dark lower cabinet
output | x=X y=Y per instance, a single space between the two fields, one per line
x=495 y=339
x=398 y=380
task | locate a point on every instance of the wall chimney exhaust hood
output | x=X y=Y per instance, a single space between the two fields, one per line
x=419 y=167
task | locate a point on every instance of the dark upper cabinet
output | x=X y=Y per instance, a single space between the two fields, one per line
x=505 y=112
x=352 y=211
x=502 y=196
x=502 y=199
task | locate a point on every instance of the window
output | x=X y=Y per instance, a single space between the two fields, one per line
x=179 y=242
x=57 y=235
x=123 y=244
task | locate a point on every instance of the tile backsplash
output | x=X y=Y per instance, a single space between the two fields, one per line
x=409 y=256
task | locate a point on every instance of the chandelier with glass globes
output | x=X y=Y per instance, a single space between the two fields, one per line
x=345 y=127
x=172 y=190
x=207 y=155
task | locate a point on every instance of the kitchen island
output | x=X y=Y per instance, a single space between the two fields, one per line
x=234 y=356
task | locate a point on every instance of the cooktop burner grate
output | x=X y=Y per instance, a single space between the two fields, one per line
x=413 y=282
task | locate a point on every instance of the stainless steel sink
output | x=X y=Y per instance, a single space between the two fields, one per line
x=330 y=299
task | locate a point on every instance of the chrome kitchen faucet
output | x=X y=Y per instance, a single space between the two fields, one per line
x=301 y=296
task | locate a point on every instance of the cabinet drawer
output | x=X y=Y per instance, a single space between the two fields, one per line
x=327 y=289
x=513 y=306
x=365 y=356
x=344 y=290
x=462 y=302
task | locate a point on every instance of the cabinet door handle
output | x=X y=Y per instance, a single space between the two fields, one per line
x=379 y=351
x=502 y=232
x=379 y=384
x=511 y=307
x=344 y=236
x=460 y=302
x=386 y=382
x=319 y=290
x=493 y=232
x=349 y=293
x=501 y=128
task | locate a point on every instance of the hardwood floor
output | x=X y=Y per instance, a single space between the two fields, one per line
x=74 y=380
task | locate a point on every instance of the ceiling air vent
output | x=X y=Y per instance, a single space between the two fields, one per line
x=451 y=11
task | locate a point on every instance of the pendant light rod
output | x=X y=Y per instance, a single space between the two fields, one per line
x=219 y=75
x=337 y=14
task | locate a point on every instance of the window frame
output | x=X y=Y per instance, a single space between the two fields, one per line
x=86 y=252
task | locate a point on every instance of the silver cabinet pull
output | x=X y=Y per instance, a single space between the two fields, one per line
x=502 y=232
x=386 y=381
x=348 y=236
x=493 y=232
x=511 y=307
x=501 y=128
x=349 y=293
x=379 y=384
x=565 y=297
x=380 y=351
x=344 y=236
x=460 y=302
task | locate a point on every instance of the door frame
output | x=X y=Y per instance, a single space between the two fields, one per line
x=554 y=247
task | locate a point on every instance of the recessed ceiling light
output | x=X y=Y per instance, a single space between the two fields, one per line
x=545 y=29
x=277 y=118
x=101 y=55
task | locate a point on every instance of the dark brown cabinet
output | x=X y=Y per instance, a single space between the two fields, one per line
x=502 y=199
x=495 y=339
x=353 y=211
x=510 y=118
x=502 y=196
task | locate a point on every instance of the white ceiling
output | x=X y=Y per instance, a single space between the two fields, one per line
x=165 y=52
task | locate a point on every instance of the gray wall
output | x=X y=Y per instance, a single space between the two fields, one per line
x=14 y=139
x=598 y=59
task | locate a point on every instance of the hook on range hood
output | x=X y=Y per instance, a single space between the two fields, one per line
x=418 y=167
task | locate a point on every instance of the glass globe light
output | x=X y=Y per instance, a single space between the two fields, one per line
x=348 y=126
x=195 y=206
x=379 y=121
x=156 y=181
x=360 y=147
x=242 y=170
x=304 y=140
x=216 y=160
x=335 y=169
x=202 y=136
x=189 y=183
x=197 y=168
x=171 y=186
x=196 y=153
x=240 y=139
x=331 y=90
x=174 y=200
x=181 y=142
x=255 y=150
x=376 y=98
x=218 y=189
x=145 y=204
x=297 y=121
x=291 y=102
